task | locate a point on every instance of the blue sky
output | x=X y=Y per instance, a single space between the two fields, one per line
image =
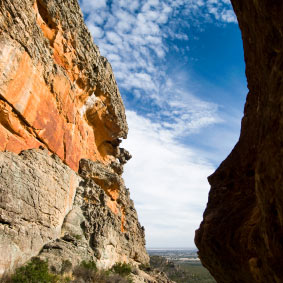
x=180 y=70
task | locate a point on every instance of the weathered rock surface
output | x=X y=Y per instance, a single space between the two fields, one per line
x=47 y=209
x=66 y=200
x=36 y=193
x=110 y=229
x=240 y=238
x=55 y=88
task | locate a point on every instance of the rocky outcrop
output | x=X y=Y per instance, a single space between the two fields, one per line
x=47 y=209
x=98 y=229
x=62 y=196
x=240 y=238
x=37 y=192
x=55 y=89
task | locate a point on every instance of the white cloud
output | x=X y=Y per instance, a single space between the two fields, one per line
x=221 y=10
x=136 y=31
x=228 y=16
x=95 y=31
x=166 y=178
x=114 y=38
x=167 y=181
x=93 y=4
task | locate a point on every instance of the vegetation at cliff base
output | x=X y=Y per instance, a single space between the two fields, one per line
x=37 y=271
x=90 y=265
x=122 y=269
x=88 y=272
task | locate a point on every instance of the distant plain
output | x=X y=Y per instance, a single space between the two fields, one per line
x=180 y=265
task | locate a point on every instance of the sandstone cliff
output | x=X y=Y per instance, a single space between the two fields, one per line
x=240 y=238
x=61 y=120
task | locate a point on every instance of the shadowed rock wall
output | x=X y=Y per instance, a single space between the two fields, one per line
x=241 y=236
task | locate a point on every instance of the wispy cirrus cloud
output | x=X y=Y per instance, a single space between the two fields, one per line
x=167 y=177
x=133 y=36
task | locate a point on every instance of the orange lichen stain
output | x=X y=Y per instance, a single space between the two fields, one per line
x=50 y=115
x=73 y=147
x=3 y=138
x=64 y=54
x=48 y=32
x=9 y=120
x=113 y=206
x=114 y=194
x=60 y=41
x=65 y=97
x=84 y=130
x=18 y=89
x=112 y=191
x=13 y=135
x=87 y=144
x=15 y=144
x=29 y=95
x=49 y=125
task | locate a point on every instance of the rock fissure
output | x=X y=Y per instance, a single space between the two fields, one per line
x=5 y=122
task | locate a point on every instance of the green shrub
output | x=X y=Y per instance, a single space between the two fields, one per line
x=64 y=280
x=145 y=267
x=89 y=265
x=87 y=271
x=85 y=274
x=66 y=266
x=6 y=278
x=78 y=237
x=36 y=271
x=115 y=278
x=122 y=269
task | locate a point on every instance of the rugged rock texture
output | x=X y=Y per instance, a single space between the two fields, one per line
x=240 y=238
x=49 y=210
x=36 y=193
x=97 y=229
x=62 y=197
x=55 y=88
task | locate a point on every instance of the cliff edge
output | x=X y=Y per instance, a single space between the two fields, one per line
x=62 y=118
x=240 y=238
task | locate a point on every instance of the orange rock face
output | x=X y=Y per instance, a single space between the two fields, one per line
x=59 y=94
x=50 y=96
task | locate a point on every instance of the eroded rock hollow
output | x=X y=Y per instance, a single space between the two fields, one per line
x=61 y=122
x=241 y=236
